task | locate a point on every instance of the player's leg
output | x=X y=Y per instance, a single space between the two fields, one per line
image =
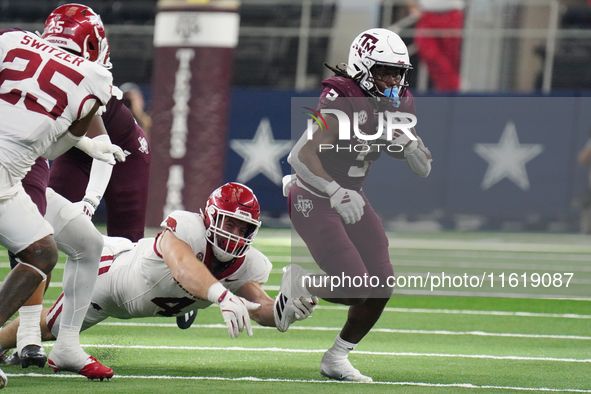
x=325 y=235
x=126 y=197
x=25 y=233
x=8 y=334
x=29 y=347
x=370 y=240
x=328 y=241
x=77 y=237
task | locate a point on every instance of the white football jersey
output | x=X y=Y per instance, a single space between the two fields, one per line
x=138 y=283
x=43 y=89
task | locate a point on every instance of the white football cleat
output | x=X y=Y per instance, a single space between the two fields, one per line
x=292 y=282
x=341 y=369
x=3 y=379
x=291 y=288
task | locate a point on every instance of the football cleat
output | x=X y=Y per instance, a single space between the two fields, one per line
x=32 y=355
x=13 y=359
x=185 y=321
x=3 y=379
x=4 y=357
x=341 y=369
x=292 y=290
x=292 y=282
x=93 y=369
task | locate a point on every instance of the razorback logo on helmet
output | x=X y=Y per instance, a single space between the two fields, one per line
x=171 y=223
x=367 y=44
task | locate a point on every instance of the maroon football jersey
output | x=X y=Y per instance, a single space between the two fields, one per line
x=35 y=183
x=126 y=196
x=348 y=163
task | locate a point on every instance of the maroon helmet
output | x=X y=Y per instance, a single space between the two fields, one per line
x=232 y=200
x=78 y=28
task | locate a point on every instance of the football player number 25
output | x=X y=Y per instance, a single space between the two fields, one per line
x=34 y=61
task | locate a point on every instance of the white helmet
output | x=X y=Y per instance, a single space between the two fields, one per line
x=380 y=47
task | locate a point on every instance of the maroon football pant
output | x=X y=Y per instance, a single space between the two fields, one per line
x=340 y=249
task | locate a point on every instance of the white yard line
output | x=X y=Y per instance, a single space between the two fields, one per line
x=366 y=352
x=383 y=330
x=274 y=380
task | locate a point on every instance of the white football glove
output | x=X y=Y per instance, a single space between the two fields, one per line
x=234 y=309
x=348 y=203
x=287 y=311
x=101 y=150
x=87 y=206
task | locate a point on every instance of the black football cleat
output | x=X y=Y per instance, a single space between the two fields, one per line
x=185 y=321
x=33 y=355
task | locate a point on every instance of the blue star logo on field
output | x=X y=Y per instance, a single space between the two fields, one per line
x=507 y=159
x=261 y=154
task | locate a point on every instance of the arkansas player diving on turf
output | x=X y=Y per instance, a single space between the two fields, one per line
x=196 y=261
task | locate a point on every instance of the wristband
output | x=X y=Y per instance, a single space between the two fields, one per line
x=332 y=188
x=216 y=293
x=91 y=201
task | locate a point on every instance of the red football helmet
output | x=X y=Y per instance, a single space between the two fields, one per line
x=78 y=28
x=232 y=200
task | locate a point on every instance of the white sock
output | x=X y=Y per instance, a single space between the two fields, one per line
x=68 y=337
x=29 y=329
x=341 y=348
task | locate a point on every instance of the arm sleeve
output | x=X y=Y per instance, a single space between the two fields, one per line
x=61 y=146
x=100 y=174
x=301 y=169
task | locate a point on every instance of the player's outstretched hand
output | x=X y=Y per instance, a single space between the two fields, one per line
x=234 y=309
x=348 y=203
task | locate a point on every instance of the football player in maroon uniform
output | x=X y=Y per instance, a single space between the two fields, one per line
x=327 y=205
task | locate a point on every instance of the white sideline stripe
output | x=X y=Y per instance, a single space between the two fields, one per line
x=372 y=353
x=469 y=312
x=275 y=380
x=446 y=311
x=453 y=244
x=384 y=330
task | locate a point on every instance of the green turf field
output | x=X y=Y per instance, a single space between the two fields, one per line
x=503 y=343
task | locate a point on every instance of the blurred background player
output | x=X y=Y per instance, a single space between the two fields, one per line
x=41 y=116
x=196 y=261
x=133 y=98
x=79 y=178
x=342 y=231
x=441 y=53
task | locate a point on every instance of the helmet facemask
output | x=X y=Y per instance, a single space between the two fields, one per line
x=389 y=82
x=226 y=245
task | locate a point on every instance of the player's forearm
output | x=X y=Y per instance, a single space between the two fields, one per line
x=194 y=277
x=308 y=167
x=264 y=315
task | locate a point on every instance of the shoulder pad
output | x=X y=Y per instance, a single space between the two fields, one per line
x=345 y=87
